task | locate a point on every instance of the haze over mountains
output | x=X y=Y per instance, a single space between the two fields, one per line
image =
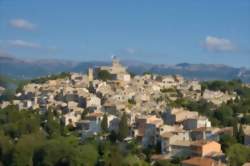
x=26 y=69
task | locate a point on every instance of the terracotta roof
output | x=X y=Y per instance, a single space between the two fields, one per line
x=199 y=161
x=95 y=114
x=202 y=142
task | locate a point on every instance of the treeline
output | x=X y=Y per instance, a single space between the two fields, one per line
x=42 y=80
x=221 y=85
x=104 y=75
x=28 y=138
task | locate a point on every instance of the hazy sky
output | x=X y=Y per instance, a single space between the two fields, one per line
x=156 y=31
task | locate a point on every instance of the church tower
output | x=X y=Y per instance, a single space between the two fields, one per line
x=115 y=61
x=90 y=74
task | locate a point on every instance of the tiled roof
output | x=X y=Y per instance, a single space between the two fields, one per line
x=199 y=161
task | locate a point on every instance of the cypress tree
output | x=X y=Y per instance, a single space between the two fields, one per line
x=123 y=127
x=104 y=123
x=235 y=129
x=240 y=136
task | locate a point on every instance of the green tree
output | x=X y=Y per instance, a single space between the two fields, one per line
x=16 y=123
x=226 y=141
x=25 y=148
x=113 y=157
x=123 y=127
x=238 y=154
x=87 y=154
x=113 y=136
x=235 y=129
x=51 y=125
x=225 y=115
x=6 y=147
x=133 y=160
x=65 y=151
x=104 y=123
x=240 y=135
x=104 y=75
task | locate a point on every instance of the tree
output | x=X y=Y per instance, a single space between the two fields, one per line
x=6 y=148
x=235 y=129
x=51 y=126
x=25 y=148
x=238 y=154
x=87 y=154
x=66 y=151
x=104 y=123
x=17 y=123
x=133 y=160
x=226 y=141
x=104 y=75
x=113 y=136
x=114 y=157
x=123 y=127
x=225 y=115
x=240 y=135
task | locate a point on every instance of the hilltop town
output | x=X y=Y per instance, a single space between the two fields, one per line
x=94 y=104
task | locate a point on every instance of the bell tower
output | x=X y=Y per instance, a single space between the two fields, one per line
x=90 y=74
x=115 y=61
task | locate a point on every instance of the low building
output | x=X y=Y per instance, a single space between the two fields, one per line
x=178 y=115
x=203 y=147
x=217 y=97
x=71 y=118
x=91 y=125
x=246 y=130
x=196 y=122
x=204 y=133
x=175 y=142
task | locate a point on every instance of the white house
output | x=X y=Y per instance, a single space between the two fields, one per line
x=196 y=122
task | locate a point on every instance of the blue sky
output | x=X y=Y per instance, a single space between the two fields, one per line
x=155 y=31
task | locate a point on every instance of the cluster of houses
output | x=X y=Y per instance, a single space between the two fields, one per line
x=82 y=100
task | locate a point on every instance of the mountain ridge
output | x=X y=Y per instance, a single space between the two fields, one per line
x=26 y=69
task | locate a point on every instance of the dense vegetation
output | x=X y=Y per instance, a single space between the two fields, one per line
x=28 y=138
x=42 y=80
x=104 y=75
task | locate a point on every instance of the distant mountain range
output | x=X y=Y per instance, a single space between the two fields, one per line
x=26 y=69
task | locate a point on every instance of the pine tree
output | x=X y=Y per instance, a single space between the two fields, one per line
x=235 y=129
x=123 y=127
x=104 y=123
x=240 y=136
x=113 y=136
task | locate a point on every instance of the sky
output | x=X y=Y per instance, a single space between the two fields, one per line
x=153 y=31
